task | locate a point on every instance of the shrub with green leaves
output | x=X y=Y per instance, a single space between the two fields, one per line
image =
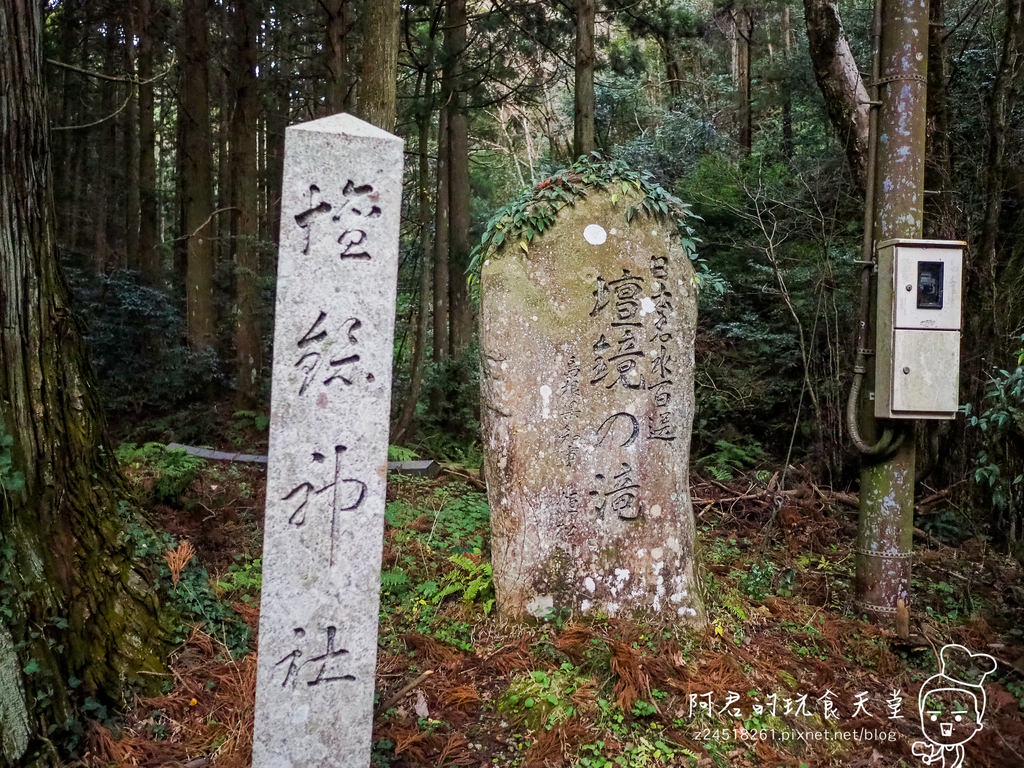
x=543 y=699
x=170 y=471
x=729 y=458
x=134 y=335
x=999 y=465
x=193 y=601
x=448 y=416
x=536 y=209
x=243 y=580
x=400 y=453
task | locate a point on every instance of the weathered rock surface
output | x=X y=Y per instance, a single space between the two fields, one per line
x=587 y=387
x=333 y=332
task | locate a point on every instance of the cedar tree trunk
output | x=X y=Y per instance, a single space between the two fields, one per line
x=75 y=607
x=339 y=77
x=744 y=113
x=244 y=197
x=583 y=141
x=440 y=351
x=149 y=256
x=425 y=215
x=378 y=79
x=460 y=311
x=196 y=174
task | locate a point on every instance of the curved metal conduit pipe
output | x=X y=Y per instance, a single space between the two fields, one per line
x=891 y=439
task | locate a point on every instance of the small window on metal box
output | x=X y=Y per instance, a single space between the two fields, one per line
x=929 y=284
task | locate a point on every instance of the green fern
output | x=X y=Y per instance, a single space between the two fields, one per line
x=469 y=579
x=394 y=580
x=401 y=453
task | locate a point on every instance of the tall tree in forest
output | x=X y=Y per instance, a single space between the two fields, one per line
x=988 y=270
x=669 y=23
x=425 y=78
x=786 y=30
x=196 y=183
x=245 y=18
x=338 y=26
x=148 y=256
x=941 y=218
x=460 y=310
x=378 y=76
x=583 y=136
x=130 y=132
x=76 y=605
x=104 y=203
x=441 y=237
x=743 y=20
x=838 y=76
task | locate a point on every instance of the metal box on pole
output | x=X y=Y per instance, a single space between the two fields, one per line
x=917 y=339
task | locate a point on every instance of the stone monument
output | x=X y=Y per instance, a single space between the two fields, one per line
x=330 y=405
x=587 y=337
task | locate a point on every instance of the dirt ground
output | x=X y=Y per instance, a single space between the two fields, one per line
x=457 y=686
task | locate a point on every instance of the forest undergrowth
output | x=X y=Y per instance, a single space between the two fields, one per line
x=458 y=686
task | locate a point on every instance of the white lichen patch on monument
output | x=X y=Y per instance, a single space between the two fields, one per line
x=333 y=333
x=587 y=472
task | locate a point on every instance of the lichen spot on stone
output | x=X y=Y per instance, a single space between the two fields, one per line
x=621 y=577
x=589 y=584
x=541 y=606
x=595 y=234
x=646 y=306
x=655 y=510
x=545 y=399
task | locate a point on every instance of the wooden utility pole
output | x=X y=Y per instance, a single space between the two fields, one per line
x=886 y=521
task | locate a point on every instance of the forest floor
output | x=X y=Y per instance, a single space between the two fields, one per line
x=457 y=686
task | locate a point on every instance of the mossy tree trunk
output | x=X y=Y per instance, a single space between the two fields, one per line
x=77 y=618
